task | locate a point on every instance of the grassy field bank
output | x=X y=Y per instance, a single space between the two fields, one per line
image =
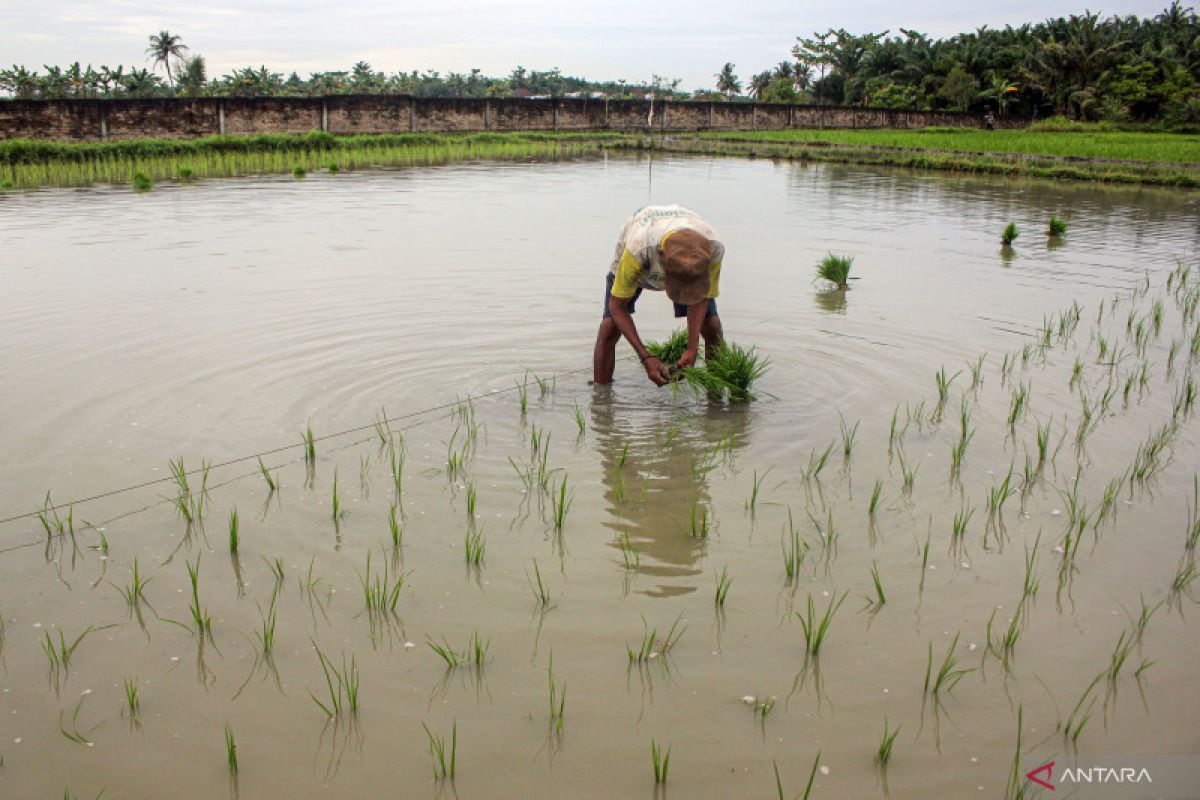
x=26 y=164
x=1089 y=154
x=1092 y=144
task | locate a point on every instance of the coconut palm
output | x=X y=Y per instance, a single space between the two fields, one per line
x=163 y=47
x=727 y=81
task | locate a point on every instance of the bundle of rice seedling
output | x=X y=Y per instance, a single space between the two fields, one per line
x=670 y=350
x=835 y=269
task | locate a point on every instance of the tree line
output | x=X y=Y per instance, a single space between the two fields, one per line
x=1085 y=67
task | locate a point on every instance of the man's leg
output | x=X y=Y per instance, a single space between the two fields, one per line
x=604 y=359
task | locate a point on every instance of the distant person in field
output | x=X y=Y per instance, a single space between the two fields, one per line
x=662 y=248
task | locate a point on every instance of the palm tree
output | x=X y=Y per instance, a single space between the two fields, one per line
x=163 y=46
x=727 y=82
x=760 y=82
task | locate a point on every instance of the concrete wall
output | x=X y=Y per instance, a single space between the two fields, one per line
x=346 y=114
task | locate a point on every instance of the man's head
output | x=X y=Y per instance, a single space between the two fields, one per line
x=686 y=256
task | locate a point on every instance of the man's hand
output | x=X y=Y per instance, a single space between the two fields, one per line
x=656 y=372
x=687 y=360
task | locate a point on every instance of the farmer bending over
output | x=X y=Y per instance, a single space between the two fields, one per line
x=661 y=248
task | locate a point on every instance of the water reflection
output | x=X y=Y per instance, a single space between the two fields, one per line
x=656 y=460
x=831 y=301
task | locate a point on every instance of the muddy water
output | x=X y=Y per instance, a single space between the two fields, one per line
x=214 y=321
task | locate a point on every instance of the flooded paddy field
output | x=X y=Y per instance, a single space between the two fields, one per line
x=978 y=468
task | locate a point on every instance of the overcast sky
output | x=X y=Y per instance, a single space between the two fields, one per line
x=618 y=39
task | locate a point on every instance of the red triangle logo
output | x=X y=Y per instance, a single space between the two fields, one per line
x=1046 y=768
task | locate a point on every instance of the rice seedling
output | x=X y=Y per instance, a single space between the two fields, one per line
x=966 y=433
x=948 y=674
x=1006 y=367
x=997 y=496
x=976 y=368
x=729 y=370
x=836 y=270
x=266 y=473
x=876 y=496
x=1076 y=372
x=848 y=436
x=1057 y=228
x=132 y=709
x=880 y=598
x=622 y=456
x=337 y=511
x=299 y=171
x=698 y=521
x=1148 y=459
x=580 y=422
x=541 y=592
x=629 y=553
x=561 y=502
x=943 y=385
x=884 y=754
x=1080 y=714
x=200 y=616
x=341 y=686
x=1120 y=655
x=661 y=761
x=908 y=477
x=395 y=531
x=474 y=547
x=558 y=696
x=755 y=488
x=267 y=622
x=962 y=518
x=1009 y=235
x=333 y=168
x=670 y=350
x=545 y=385
x=1184 y=576
x=814 y=628
x=396 y=462
x=816 y=463
x=1185 y=399
x=443 y=768
x=893 y=435
x=1015 y=788
x=74 y=734
x=1018 y=404
x=1087 y=422
x=234 y=536
x=477 y=649
x=310 y=447
x=523 y=395
x=1192 y=531
x=723 y=584
x=381 y=590
x=471 y=497
x=794 y=550
x=651 y=646
x=762 y=705
x=231 y=750
x=141 y=182
x=134 y=591
x=59 y=655
x=1008 y=642
x=1156 y=317
x=1142 y=620
x=185 y=174
x=1145 y=665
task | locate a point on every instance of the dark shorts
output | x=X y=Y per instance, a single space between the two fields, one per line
x=680 y=310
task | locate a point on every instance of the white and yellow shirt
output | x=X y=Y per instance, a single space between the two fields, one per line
x=637 y=263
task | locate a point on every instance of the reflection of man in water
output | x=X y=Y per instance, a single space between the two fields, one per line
x=661 y=248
